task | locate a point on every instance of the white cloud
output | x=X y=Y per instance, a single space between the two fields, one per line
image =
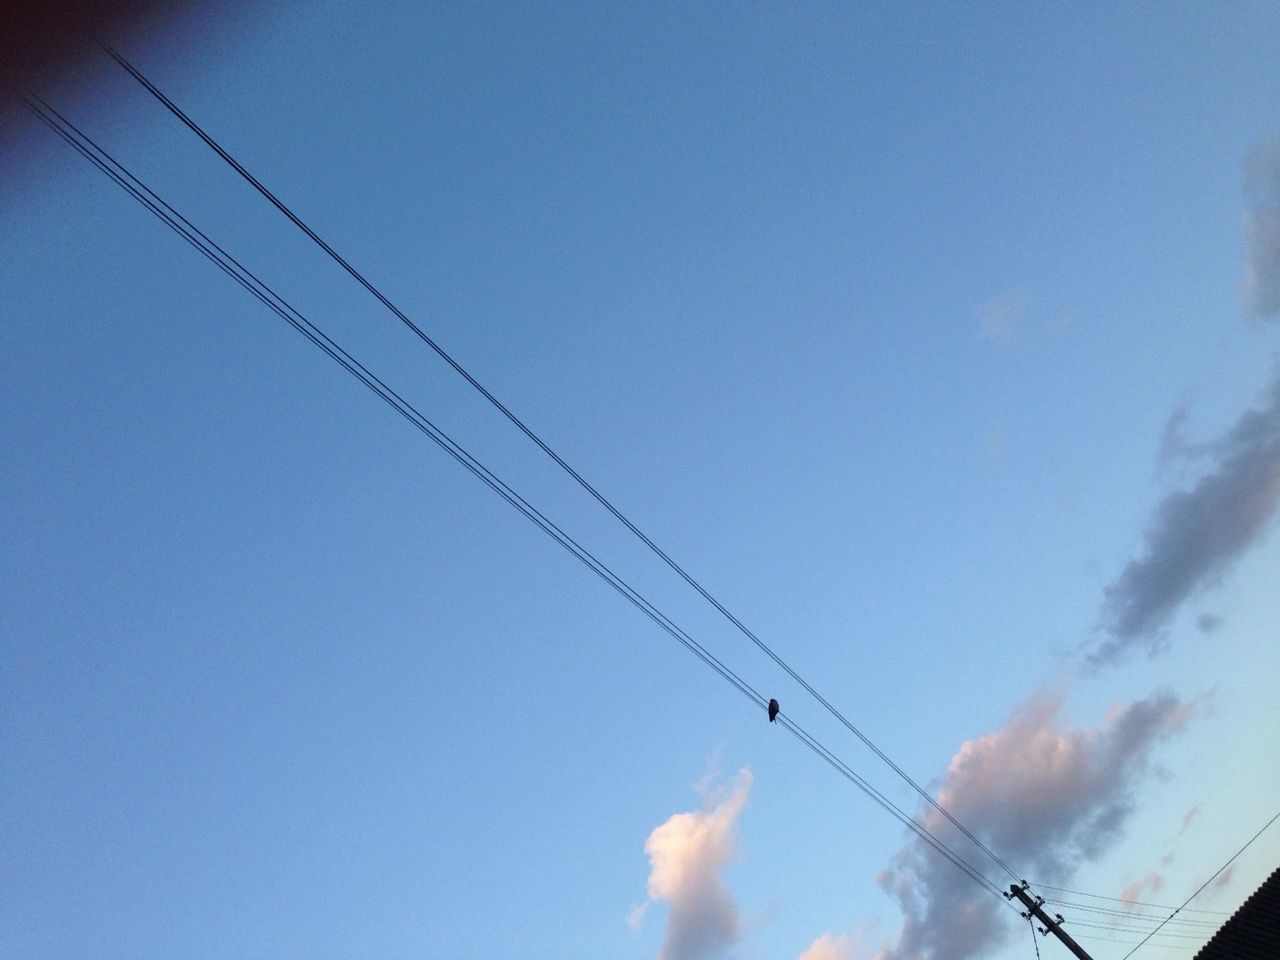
x=686 y=855
x=1043 y=796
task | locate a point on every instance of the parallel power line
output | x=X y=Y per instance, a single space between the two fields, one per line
x=1128 y=916
x=547 y=449
x=137 y=189
x=1136 y=903
x=1204 y=935
x=1200 y=889
x=1167 y=946
x=1035 y=942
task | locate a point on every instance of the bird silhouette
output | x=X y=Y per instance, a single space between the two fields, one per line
x=773 y=710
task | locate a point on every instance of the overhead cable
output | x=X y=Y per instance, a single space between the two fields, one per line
x=89 y=149
x=1137 y=903
x=1035 y=942
x=546 y=448
x=1167 y=946
x=1200 y=888
x=1128 y=915
x=1204 y=935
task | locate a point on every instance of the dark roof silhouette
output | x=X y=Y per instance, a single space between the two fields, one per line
x=1253 y=931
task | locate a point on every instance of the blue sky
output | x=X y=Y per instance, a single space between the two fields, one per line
x=925 y=338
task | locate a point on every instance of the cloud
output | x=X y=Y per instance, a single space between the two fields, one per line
x=635 y=917
x=1197 y=534
x=1222 y=879
x=1152 y=883
x=1209 y=622
x=1173 y=442
x=1045 y=797
x=1001 y=319
x=1188 y=818
x=831 y=947
x=686 y=855
x=1260 y=289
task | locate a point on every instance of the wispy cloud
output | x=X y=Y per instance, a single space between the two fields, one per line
x=1045 y=797
x=1173 y=441
x=686 y=855
x=1151 y=883
x=1221 y=880
x=1014 y=320
x=1198 y=533
x=1189 y=818
x=1209 y=622
x=1260 y=288
x=1000 y=319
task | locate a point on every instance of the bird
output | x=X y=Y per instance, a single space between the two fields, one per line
x=773 y=710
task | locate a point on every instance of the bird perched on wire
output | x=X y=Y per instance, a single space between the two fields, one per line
x=773 y=710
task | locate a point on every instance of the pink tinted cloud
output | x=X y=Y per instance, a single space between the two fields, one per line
x=686 y=855
x=1189 y=817
x=831 y=946
x=1151 y=883
x=1221 y=880
x=1043 y=795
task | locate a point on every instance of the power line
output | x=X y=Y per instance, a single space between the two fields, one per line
x=295 y=318
x=1120 y=929
x=545 y=447
x=107 y=164
x=1167 y=946
x=1035 y=942
x=1230 y=860
x=1127 y=915
x=1139 y=903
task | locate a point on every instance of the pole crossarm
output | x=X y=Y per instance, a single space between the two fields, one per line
x=1035 y=909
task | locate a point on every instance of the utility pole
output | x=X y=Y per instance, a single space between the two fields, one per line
x=1050 y=925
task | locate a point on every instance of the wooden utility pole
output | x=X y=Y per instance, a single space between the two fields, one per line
x=1050 y=925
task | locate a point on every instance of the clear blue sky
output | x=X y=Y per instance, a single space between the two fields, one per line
x=881 y=320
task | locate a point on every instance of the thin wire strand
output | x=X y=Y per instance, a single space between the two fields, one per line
x=915 y=826
x=259 y=289
x=1205 y=935
x=1167 y=946
x=1034 y=940
x=1200 y=888
x=198 y=240
x=546 y=448
x=1128 y=915
x=1138 y=903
